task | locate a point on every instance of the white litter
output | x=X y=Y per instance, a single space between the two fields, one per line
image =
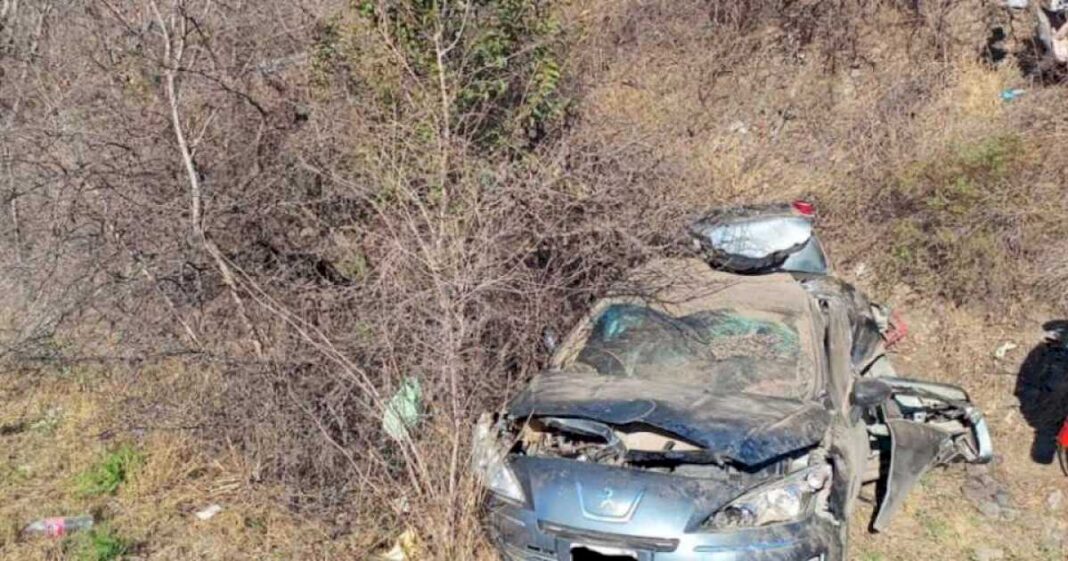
x=208 y=512
x=1004 y=349
x=405 y=548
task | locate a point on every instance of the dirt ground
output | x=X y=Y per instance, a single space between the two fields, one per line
x=951 y=514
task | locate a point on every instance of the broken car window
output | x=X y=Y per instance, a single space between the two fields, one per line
x=723 y=351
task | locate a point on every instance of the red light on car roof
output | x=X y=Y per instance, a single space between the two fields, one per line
x=805 y=208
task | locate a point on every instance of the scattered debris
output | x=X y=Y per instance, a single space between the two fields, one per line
x=891 y=324
x=739 y=127
x=209 y=512
x=1055 y=500
x=1004 y=349
x=403 y=410
x=1012 y=94
x=58 y=526
x=403 y=549
x=860 y=270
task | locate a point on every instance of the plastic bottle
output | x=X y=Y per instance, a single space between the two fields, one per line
x=59 y=526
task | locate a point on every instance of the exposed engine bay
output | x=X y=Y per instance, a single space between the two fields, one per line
x=635 y=446
x=945 y=410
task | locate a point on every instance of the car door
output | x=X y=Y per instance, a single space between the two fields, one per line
x=850 y=441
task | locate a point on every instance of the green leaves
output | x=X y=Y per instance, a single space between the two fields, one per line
x=99 y=544
x=114 y=469
x=498 y=59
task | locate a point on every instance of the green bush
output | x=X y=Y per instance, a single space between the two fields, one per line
x=99 y=544
x=114 y=469
x=947 y=220
x=499 y=62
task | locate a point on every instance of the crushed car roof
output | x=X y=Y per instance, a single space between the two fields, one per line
x=746 y=428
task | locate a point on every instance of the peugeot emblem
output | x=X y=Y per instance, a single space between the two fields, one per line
x=606 y=499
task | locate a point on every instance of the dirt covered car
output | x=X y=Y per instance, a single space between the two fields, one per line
x=722 y=408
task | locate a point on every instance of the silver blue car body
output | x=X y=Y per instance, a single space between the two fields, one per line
x=632 y=447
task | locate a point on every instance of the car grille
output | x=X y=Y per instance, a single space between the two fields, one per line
x=513 y=553
x=589 y=536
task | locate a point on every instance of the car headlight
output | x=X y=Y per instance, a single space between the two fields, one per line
x=784 y=500
x=489 y=464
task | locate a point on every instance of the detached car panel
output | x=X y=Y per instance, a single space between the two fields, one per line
x=928 y=424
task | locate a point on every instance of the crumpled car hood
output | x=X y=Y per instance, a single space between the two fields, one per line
x=745 y=428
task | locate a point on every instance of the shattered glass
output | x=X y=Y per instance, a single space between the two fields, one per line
x=723 y=350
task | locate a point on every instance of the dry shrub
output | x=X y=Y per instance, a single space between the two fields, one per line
x=279 y=229
x=376 y=191
x=959 y=224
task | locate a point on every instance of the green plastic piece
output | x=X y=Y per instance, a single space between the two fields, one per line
x=403 y=410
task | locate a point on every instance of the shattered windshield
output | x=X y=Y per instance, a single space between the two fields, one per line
x=723 y=350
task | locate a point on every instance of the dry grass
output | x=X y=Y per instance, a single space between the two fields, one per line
x=455 y=255
x=58 y=428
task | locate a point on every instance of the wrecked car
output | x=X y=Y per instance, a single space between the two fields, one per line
x=718 y=408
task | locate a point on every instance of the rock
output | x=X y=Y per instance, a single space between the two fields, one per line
x=1003 y=498
x=989 y=554
x=1009 y=514
x=1054 y=500
x=980 y=487
x=975 y=494
x=990 y=509
x=739 y=127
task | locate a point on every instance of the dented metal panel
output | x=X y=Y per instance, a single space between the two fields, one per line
x=916 y=449
x=745 y=428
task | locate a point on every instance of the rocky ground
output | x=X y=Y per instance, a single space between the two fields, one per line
x=1017 y=506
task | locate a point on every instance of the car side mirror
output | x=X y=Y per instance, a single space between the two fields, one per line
x=869 y=392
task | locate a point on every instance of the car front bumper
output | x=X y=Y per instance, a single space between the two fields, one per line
x=520 y=536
